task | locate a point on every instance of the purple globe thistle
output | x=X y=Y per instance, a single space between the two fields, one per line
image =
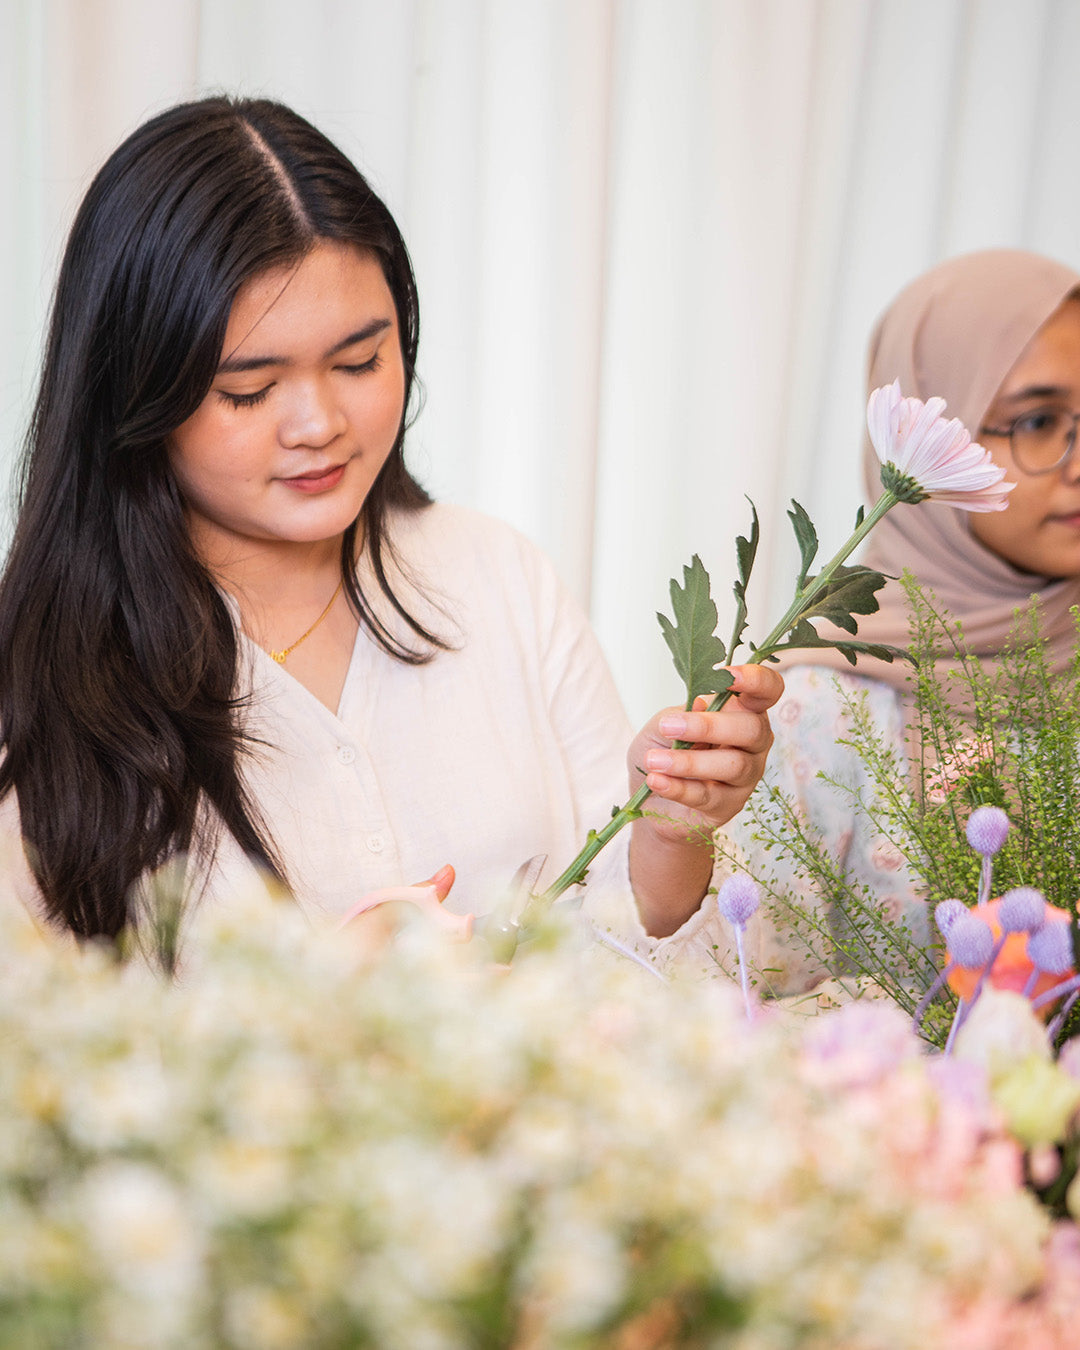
x=946 y=914
x=971 y=946
x=1049 y=950
x=987 y=830
x=738 y=899
x=1022 y=910
x=970 y=942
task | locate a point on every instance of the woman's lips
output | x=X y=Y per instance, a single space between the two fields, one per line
x=322 y=481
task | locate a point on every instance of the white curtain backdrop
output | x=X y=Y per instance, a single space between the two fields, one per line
x=651 y=236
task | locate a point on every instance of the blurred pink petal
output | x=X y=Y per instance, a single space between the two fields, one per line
x=937 y=453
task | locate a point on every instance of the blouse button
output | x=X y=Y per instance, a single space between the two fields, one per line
x=346 y=754
x=375 y=843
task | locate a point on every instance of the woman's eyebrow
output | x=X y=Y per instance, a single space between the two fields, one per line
x=1030 y=391
x=235 y=365
x=369 y=330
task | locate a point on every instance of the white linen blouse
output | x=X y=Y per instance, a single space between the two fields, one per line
x=511 y=743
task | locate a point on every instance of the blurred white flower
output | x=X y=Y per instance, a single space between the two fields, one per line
x=387 y=1156
x=1000 y=1032
x=141 y=1230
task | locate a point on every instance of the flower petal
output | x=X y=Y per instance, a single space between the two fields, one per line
x=937 y=452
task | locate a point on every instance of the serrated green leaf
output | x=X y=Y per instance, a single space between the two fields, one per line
x=851 y=591
x=691 y=639
x=804 y=635
x=807 y=539
x=745 y=553
x=746 y=549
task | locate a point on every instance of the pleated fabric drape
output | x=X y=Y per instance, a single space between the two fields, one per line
x=651 y=236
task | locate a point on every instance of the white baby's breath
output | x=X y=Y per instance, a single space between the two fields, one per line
x=426 y=1151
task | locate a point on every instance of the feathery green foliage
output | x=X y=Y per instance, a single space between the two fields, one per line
x=1006 y=736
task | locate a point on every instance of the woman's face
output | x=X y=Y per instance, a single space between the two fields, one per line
x=303 y=411
x=1039 y=531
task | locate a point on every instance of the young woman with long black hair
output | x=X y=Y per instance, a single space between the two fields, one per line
x=233 y=626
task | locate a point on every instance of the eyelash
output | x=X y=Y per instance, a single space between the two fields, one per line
x=245 y=400
x=251 y=400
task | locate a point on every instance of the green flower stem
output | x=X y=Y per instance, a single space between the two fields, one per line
x=805 y=597
x=800 y=605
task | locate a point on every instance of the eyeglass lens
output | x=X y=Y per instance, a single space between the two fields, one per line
x=1043 y=438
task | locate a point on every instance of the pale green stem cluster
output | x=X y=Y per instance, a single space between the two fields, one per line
x=802 y=605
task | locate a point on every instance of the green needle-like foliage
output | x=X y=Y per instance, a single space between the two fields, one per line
x=1006 y=736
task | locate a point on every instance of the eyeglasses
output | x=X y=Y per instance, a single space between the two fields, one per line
x=1041 y=440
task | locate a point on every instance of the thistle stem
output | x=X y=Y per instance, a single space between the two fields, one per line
x=961 y=1011
x=743 y=977
x=986 y=879
x=924 y=1003
x=803 y=601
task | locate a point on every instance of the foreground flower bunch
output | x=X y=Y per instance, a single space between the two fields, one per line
x=1011 y=964
x=1017 y=942
x=282 y=1150
x=924 y=457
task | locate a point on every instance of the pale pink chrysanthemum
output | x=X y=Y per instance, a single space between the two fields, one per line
x=926 y=455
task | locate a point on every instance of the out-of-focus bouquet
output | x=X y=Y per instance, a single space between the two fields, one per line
x=292 y=1146
x=982 y=820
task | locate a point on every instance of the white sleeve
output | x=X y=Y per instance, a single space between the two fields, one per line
x=594 y=730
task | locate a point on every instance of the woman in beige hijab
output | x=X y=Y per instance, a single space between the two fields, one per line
x=997 y=335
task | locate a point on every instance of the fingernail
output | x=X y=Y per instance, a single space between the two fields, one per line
x=674 y=727
x=658 y=759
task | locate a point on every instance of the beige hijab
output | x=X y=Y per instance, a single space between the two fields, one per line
x=956 y=332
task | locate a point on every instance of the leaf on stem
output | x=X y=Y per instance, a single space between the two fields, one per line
x=745 y=553
x=850 y=591
x=807 y=539
x=692 y=640
x=804 y=634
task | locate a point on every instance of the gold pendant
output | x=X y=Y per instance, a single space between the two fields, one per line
x=279 y=657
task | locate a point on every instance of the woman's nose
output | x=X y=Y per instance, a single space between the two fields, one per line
x=312 y=418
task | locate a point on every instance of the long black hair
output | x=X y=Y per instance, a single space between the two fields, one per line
x=120 y=727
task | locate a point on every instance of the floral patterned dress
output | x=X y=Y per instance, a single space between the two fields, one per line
x=811 y=723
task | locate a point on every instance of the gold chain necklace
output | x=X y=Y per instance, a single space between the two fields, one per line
x=280 y=656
